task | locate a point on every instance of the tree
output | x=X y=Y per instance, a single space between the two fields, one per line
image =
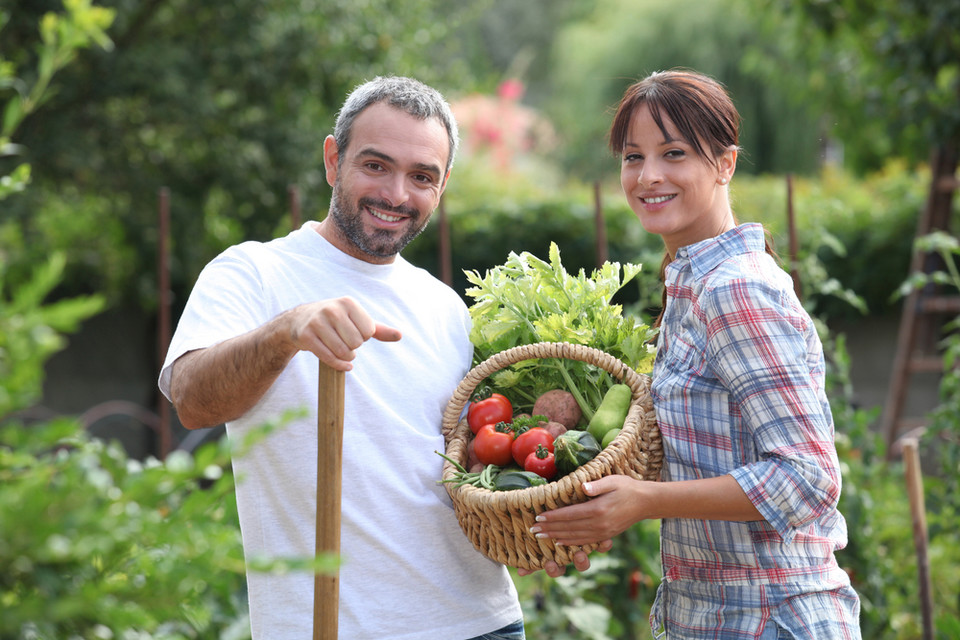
x=887 y=72
x=621 y=41
x=224 y=103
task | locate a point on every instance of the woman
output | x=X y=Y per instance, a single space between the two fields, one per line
x=751 y=479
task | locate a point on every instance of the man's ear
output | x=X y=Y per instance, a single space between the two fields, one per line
x=331 y=158
x=443 y=185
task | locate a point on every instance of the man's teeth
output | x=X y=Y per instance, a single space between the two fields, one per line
x=657 y=200
x=384 y=216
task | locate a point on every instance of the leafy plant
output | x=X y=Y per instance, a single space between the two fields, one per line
x=95 y=545
x=527 y=300
x=611 y=599
x=61 y=36
x=30 y=331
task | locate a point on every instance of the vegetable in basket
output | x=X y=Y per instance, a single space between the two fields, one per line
x=510 y=480
x=610 y=437
x=560 y=406
x=574 y=449
x=528 y=441
x=612 y=412
x=527 y=300
x=490 y=410
x=493 y=444
x=542 y=462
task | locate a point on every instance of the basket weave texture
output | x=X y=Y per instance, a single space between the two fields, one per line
x=498 y=522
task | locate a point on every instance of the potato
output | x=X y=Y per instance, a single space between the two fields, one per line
x=472 y=459
x=558 y=406
x=554 y=428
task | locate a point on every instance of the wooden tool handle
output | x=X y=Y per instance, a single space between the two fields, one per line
x=918 y=515
x=326 y=587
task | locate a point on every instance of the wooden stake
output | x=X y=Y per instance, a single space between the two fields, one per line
x=326 y=587
x=918 y=515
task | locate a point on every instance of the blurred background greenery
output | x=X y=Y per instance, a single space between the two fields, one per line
x=226 y=105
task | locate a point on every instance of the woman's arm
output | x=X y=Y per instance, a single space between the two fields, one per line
x=617 y=502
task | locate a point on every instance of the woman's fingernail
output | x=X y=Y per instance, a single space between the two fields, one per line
x=534 y=529
x=587 y=487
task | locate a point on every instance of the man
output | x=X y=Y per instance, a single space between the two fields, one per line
x=245 y=353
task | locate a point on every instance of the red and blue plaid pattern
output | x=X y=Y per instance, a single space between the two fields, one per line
x=738 y=387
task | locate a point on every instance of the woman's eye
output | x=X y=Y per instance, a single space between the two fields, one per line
x=676 y=153
x=632 y=157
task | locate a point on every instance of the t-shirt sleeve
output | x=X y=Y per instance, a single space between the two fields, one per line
x=757 y=347
x=226 y=301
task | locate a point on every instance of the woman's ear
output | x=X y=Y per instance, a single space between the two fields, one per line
x=727 y=165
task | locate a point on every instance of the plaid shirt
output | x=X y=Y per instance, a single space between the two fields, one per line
x=738 y=387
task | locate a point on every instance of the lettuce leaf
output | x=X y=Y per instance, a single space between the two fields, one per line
x=528 y=300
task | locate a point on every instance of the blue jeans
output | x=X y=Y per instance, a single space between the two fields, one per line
x=510 y=632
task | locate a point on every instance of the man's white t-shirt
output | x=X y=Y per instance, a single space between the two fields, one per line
x=408 y=572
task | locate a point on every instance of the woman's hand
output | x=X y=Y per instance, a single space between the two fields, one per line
x=616 y=504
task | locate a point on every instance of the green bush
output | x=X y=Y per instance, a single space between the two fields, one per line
x=95 y=545
x=853 y=234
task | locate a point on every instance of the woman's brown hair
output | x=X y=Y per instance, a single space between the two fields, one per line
x=697 y=105
x=700 y=110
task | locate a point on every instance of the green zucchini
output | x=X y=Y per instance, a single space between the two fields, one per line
x=511 y=480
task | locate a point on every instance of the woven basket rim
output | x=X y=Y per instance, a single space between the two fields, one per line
x=570 y=483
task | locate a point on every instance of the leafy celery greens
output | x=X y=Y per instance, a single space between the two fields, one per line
x=527 y=300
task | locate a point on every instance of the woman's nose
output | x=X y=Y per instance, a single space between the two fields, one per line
x=650 y=174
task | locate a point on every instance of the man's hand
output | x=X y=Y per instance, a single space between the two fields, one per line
x=334 y=329
x=221 y=383
x=581 y=562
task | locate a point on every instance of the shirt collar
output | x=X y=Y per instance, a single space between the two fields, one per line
x=704 y=256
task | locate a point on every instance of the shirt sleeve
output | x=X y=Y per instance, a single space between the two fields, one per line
x=757 y=345
x=226 y=301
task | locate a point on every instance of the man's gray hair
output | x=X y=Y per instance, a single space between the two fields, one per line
x=407 y=94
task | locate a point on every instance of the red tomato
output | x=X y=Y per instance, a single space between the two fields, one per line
x=526 y=443
x=541 y=462
x=490 y=410
x=492 y=446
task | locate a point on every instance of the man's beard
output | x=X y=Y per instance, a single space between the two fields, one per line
x=381 y=243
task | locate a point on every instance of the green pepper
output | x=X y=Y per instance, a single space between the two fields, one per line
x=612 y=411
x=573 y=449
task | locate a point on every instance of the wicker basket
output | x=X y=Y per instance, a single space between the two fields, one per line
x=498 y=522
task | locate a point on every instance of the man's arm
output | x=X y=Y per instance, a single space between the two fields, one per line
x=220 y=383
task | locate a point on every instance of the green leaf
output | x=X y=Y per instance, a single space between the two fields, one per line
x=12 y=115
x=527 y=300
